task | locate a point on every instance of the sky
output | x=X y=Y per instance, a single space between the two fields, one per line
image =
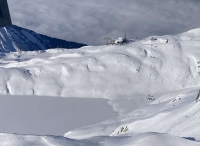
x=90 y=21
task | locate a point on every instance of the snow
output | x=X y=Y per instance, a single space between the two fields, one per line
x=129 y=72
x=164 y=115
x=50 y=115
x=152 y=83
x=150 y=139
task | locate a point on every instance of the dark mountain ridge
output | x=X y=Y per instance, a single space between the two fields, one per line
x=14 y=38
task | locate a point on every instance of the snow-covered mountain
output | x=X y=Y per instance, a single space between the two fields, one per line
x=152 y=83
x=14 y=38
x=143 y=139
x=145 y=68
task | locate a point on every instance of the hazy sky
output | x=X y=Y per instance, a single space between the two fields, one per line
x=89 y=21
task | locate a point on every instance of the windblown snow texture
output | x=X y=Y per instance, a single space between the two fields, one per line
x=153 y=83
x=145 y=139
x=14 y=38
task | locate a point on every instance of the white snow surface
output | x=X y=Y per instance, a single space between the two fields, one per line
x=129 y=72
x=152 y=84
x=146 y=139
x=50 y=115
x=176 y=114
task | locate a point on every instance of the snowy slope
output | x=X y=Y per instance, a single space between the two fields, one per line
x=152 y=83
x=132 y=72
x=14 y=38
x=176 y=113
x=146 y=139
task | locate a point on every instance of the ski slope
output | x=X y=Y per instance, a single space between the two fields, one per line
x=151 y=83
